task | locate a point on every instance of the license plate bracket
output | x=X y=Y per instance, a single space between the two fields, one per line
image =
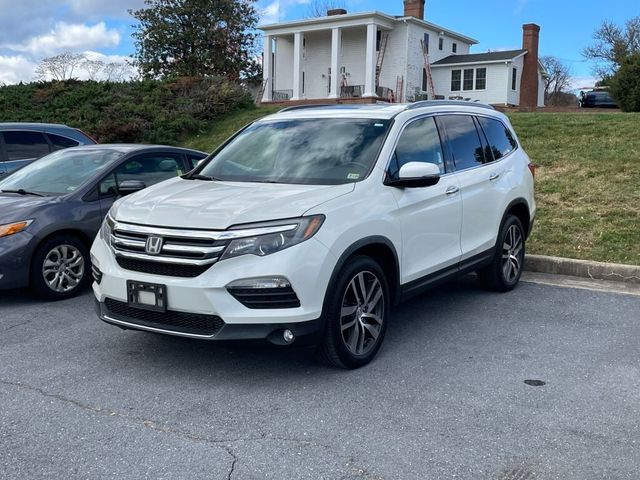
x=147 y=296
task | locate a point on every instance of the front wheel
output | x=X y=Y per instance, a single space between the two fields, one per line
x=60 y=268
x=504 y=272
x=356 y=314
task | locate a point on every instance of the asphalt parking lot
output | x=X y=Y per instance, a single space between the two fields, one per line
x=446 y=397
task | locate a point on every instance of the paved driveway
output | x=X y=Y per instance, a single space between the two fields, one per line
x=445 y=398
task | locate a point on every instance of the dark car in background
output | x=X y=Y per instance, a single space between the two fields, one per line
x=597 y=99
x=22 y=143
x=51 y=210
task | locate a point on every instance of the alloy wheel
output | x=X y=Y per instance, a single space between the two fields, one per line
x=512 y=253
x=63 y=268
x=362 y=313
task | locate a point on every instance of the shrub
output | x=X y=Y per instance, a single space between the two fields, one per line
x=625 y=84
x=146 y=111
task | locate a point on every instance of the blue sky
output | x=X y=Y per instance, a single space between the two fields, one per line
x=32 y=29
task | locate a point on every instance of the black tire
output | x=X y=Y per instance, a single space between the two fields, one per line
x=340 y=347
x=68 y=273
x=498 y=276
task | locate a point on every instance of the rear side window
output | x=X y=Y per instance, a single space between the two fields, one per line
x=501 y=141
x=25 y=145
x=419 y=142
x=59 y=142
x=464 y=141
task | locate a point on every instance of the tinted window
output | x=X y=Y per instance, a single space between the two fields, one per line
x=501 y=142
x=21 y=145
x=419 y=142
x=60 y=142
x=463 y=140
x=321 y=151
x=194 y=160
x=150 y=169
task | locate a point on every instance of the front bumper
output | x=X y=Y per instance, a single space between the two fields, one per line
x=15 y=256
x=307 y=266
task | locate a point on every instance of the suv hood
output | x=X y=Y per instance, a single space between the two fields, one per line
x=218 y=205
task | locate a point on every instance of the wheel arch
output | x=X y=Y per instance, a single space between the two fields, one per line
x=520 y=208
x=79 y=234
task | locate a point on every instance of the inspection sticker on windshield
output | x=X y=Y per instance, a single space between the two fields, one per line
x=353 y=176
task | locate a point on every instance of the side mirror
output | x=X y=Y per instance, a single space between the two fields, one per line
x=130 y=186
x=415 y=174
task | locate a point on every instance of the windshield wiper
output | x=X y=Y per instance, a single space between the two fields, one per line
x=22 y=191
x=197 y=176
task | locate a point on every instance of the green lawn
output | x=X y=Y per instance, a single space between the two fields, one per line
x=588 y=180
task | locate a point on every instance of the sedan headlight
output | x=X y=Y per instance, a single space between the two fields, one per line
x=277 y=236
x=15 y=227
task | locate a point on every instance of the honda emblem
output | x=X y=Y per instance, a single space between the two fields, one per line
x=153 y=245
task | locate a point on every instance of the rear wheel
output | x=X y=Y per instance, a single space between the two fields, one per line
x=60 y=268
x=356 y=314
x=505 y=269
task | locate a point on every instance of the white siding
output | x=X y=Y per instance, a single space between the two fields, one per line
x=395 y=58
x=283 y=67
x=513 y=96
x=495 y=93
x=415 y=60
x=353 y=55
x=540 y=90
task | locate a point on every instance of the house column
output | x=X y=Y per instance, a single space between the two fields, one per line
x=267 y=68
x=336 y=40
x=297 y=66
x=370 y=62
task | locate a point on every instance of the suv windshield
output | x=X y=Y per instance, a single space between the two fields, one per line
x=61 y=172
x=326 y=151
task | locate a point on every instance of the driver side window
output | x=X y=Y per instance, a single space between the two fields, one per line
x=419 y=142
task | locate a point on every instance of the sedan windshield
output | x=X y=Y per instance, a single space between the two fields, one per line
x=59 y=173
x=327 y=151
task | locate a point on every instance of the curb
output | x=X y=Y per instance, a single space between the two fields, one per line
x=583 y=268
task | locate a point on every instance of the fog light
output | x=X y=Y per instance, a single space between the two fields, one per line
x=261 y=282
x=287 y=335
x=97 y=274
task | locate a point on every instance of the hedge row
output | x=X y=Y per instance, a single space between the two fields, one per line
x=139 y=111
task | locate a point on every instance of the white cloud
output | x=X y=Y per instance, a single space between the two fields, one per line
x=15 y=69
x=582 y=83
x=65 y=36
x=276 y=10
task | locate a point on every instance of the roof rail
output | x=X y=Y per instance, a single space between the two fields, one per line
x=302 y=107
x=447 y=103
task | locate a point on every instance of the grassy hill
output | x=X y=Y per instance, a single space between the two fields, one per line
x=588 y=180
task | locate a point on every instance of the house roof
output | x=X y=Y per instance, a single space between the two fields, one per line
x=489 y=57
x=350 y=19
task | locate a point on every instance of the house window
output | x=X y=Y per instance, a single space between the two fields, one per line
x=514 y=79
x=481 y=78
x=303 y=82
x=425 y=84
x=378 y=40
x=468 y=79
x=454 y=47
x=441 y=44
x=456 y=76
x=426 y=41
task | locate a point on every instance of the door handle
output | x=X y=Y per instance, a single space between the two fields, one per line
x=452 y=190
x=494 y=176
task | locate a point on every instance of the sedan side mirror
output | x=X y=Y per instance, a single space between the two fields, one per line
x=416 y=174
x=130 y=186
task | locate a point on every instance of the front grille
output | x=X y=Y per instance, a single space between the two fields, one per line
x=164 y=269
x=165 y=251
x=264 y=298
x=179 y=322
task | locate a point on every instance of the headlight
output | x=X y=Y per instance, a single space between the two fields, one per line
x=278 y=236
x=11 y=228
x=106 y=229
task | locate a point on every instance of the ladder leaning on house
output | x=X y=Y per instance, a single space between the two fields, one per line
x=260 y=94
x=399 y=88
x=427 y=68
x=384 y=38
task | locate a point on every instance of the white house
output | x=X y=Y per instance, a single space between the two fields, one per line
x=368 y=56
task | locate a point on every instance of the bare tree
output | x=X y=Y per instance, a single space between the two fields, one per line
x=612 y=44
x=319 y=8
x=117 y=71
x=59 y=67
x=558 y=77
x=94 y=68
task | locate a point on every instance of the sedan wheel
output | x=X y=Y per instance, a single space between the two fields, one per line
x=63 y=268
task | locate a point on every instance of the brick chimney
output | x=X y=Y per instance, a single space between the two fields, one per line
x=529 y=82
x=414 y=8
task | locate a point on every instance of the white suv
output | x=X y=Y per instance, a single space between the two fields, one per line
x=310 y=224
